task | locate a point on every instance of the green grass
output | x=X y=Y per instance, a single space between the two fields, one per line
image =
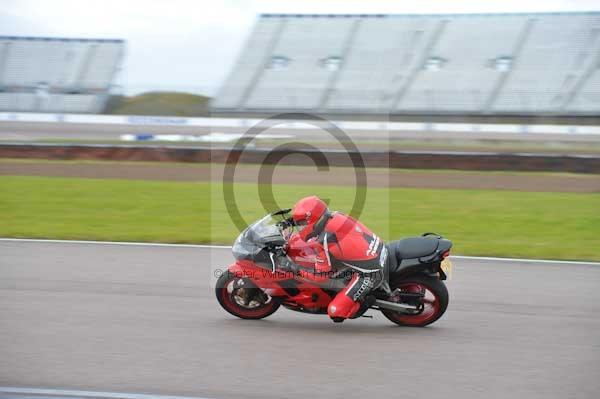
x=159 y=103
x=480 y=222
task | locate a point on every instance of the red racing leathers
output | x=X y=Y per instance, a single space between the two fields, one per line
x=345 y=245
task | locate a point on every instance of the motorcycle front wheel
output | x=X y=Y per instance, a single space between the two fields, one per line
x=238 y=297
x=432 y=304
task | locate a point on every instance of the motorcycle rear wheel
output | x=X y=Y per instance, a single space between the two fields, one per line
x=435 y=300
x=226 y=291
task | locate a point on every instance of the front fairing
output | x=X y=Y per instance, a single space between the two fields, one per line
x=254 y=243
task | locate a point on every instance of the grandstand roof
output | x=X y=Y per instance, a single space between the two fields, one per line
x=501 y=14
x=61 y=39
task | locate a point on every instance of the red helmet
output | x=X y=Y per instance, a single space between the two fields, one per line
x=309 y=215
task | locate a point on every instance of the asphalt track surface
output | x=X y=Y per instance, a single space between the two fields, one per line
x=143 y=319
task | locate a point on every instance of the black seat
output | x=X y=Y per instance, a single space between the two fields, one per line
x=414 y=247
x=416 y=254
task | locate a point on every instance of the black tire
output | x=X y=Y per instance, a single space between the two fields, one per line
x=225 y=300
x=432 y=284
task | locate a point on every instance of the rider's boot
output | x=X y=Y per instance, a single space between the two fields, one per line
x=342 y=307
x=364 y=306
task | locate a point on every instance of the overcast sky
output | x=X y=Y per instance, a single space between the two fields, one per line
x=191 y=45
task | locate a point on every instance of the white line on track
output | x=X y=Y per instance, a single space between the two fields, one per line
x=145 y=244
x=550 y=261
x=86 y=394
x=153 y=244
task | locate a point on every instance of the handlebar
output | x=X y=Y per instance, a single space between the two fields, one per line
x=282 y=212
x=285 y=223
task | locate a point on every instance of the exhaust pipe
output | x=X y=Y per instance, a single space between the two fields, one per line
x=394 y=306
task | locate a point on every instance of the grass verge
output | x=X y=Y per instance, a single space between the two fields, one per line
x=159 y=103
x=480 y=222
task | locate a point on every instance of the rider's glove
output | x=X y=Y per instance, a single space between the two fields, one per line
x=285 y=264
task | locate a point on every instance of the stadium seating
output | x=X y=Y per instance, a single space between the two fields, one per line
x=542 y=63
x=311 y=51
x=57 y=75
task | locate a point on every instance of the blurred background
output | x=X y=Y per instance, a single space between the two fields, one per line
x=129 y=126
x=501 y=97
x=318 y=56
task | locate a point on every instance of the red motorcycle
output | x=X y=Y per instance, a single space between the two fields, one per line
x=253 y=288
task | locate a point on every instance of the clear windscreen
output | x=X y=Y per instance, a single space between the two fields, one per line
x=251 y=244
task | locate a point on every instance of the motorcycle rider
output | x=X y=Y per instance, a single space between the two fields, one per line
x=340 y=243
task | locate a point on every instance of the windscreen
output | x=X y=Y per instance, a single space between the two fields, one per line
x=251 y=243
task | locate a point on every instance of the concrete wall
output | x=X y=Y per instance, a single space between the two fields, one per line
x=382 y=159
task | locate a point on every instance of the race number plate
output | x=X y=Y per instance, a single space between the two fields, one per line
x=446 y=267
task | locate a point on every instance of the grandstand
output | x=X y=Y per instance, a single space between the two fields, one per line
x=466 y=64
x=40 y=74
